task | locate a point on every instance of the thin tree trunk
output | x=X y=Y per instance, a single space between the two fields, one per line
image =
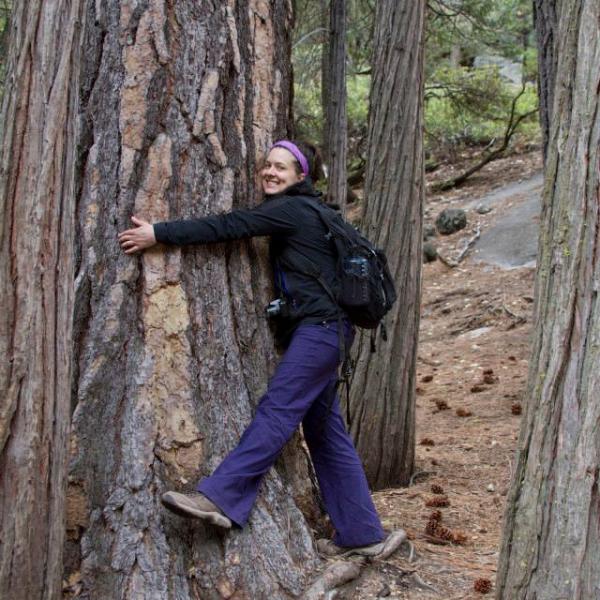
x=173 y=350
x=383 y=386
x=551 y=538
x=37 y=158
x=335 y=122
x=325 y=73
x=545 y=21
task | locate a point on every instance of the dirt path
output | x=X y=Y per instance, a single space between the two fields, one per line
x=472 y=369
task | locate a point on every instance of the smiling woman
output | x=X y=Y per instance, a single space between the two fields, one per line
x=309 y=326
x=280 y=170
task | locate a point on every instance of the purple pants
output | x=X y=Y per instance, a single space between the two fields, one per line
x=300 y=392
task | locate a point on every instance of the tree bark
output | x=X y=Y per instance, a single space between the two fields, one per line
x=552 y=534
x=37 y=201
x=173 y=350
x=334 y=106
x=545 y=21
x=383 y=386
x=325 y=72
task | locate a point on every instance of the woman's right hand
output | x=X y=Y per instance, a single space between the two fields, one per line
x=139 y=238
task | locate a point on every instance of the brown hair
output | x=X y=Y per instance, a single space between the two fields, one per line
x=313 y=156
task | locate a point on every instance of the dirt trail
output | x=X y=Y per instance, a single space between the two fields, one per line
x=472 y=369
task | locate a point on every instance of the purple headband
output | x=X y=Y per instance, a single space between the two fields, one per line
x=291 y=147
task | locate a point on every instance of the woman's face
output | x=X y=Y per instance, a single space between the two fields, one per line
x=279 y=171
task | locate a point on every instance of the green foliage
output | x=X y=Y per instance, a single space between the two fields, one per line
x=469 y=106
x=464 y=104
x=5 y=10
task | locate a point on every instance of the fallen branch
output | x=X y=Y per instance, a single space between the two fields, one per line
x=470 y=242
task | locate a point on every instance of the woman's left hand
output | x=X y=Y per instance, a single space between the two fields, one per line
x=138 y=238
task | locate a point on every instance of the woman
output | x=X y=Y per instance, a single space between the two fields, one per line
x=302 y=387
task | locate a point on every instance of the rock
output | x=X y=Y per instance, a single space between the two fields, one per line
x=429 y=252
x=451 y=220
x=482 y=209
x=491 y=487
x=429 y=231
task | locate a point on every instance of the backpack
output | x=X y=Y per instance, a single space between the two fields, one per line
x=366 y=290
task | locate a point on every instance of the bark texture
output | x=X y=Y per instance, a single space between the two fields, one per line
x=172 y=347
x=382 y=395
x=552 y=529
x=545 y=21
x=334 y=106
x=37 y=158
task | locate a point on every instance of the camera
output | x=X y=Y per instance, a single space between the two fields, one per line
x=277 y=309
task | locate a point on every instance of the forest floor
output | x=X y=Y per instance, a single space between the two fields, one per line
x=471 y=374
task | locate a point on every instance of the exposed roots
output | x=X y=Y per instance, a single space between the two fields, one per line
x=342 y=571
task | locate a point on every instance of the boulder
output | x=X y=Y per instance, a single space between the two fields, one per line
x=429 y=231
x=429 y=252
x=451 y=220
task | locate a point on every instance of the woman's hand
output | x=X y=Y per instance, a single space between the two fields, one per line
x=138 y=238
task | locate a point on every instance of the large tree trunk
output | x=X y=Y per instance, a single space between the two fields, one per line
x=552 y=530
x=335 y=126
x=37 y=155
x=173 y=350
x=545 y=21
x=383 y=386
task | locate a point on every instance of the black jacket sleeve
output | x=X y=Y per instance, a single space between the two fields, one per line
x=274 y=216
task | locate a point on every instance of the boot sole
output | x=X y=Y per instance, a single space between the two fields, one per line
x=212 y=517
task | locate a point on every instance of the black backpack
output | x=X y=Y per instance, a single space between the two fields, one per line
x=366 y=290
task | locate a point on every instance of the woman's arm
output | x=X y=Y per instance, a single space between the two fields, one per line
x=270 y=217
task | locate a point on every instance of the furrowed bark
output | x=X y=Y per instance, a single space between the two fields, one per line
x=382 y=396
x=173 y=350
x=552 y=533
x=37 y=158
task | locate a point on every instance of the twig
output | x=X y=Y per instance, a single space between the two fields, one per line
x=519 y=318
x=417 y=579
x=417 y=474
x=429 y=362
x=470 y=242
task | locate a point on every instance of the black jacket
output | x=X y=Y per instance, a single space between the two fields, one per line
x=297 y=233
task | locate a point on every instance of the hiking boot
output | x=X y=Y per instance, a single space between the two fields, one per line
x=196 y=506
x=328 y=549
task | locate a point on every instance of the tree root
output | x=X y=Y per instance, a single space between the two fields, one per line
x=336 y=574
x=342 y=571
